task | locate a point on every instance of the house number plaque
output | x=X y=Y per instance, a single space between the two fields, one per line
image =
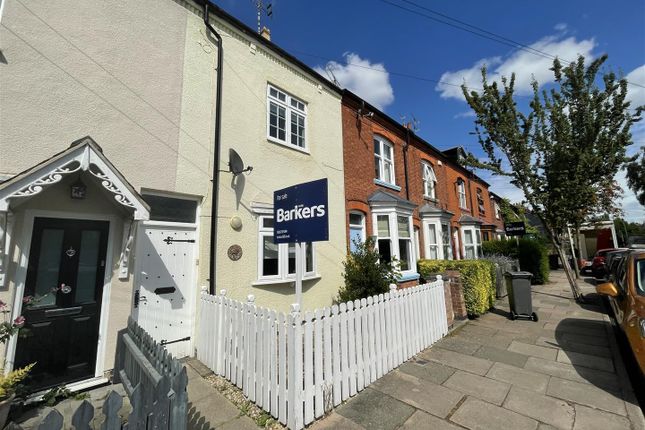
x=235 y=252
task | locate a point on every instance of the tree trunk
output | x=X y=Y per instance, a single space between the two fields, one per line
x=576 y=269
x=567 y=269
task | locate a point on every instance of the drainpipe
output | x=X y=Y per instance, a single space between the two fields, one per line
x=405 y=160
x=216 y=149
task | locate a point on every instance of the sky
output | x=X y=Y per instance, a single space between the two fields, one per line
x=410 y=66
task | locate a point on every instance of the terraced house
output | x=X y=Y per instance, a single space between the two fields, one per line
x=140 y=146
x=414 y=199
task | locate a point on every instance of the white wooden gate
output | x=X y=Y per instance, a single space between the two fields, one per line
x=164 y=293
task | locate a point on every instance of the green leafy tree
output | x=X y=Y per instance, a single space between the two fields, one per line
x=636 y=175
x=366 y=274
x=564 y=152
x=516 y=213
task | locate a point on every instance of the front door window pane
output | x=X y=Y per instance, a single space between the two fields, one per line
x=51 y=245
x=88 y=265
x=269 y=257
x=355 y=237
x=404 y=251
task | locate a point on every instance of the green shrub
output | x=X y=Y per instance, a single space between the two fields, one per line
x=477 y=276
x=366 y=274
x=533 y=255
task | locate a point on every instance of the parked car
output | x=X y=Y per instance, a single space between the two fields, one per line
x=626 y=294
x=612 y=260
x=599 y=266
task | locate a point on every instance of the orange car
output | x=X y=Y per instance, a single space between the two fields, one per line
x=626 y=294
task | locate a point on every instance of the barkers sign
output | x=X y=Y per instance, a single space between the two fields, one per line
x=300 y=213
x=515 y=228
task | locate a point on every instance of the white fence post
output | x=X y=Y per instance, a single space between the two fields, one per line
x=294 y=336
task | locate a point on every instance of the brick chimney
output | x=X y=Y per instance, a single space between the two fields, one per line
x=266 y=33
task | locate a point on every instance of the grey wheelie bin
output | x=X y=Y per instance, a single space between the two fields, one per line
x=518 y=285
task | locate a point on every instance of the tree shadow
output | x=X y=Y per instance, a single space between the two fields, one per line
x=586 y=345
x=195 y=420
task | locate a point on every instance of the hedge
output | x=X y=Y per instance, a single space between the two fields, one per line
x=532 y=254
x=477 y=276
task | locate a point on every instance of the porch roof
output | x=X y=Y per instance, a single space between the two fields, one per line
x=83 y=155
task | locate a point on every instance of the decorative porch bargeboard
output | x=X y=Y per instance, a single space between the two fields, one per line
x=299 y=367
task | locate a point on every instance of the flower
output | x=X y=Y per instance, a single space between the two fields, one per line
x=20 y=321
x=3 y=305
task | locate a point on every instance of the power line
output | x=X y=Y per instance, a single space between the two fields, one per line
x=478 y=31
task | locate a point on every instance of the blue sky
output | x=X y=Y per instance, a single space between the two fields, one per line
x=375 y=34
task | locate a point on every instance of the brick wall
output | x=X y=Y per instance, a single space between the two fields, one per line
x=456 y=294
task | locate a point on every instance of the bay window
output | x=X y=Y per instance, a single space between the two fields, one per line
x=432 y=246
x=437 y=239
x=383 y=160
x=277 y=262
x=394 y=233
x=445 y=239
x=472 y=242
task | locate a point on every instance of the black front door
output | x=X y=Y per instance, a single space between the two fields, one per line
x=62 y=300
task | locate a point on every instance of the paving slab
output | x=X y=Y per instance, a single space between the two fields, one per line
x=335 y=421
x=523 y=378
x=483 y=388
x=584 y=339
x=373 y=409
x=458 y=345
x=501 y=355
x=422 y=421
x=477 y=414
x=459 y=361
x=533 y=350
x=593 y=419
x=596 y=350
x=210 y=412
x=598 y=378
x=587 y=395
x=435 y=399
x=585 y=360
x=430 y=371
x=549 y=410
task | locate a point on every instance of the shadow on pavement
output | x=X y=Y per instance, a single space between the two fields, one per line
x=586 y=346
x=195 y=420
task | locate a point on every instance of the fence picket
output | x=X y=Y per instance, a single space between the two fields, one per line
x=344 y=362
x=358 y=320
x=351 y=348
x=282 y=369
x=319 y=405
x=327 y=360
x=335 y=338
x=308 y=367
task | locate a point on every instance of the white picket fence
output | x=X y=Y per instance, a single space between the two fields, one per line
x=297 y=368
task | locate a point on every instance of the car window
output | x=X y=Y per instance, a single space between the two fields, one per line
x=640 y=276
x=621 y=273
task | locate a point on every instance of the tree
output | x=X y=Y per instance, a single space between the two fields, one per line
x=366 y=273
x=563 y=154
x=636 y=175
x=516 y=213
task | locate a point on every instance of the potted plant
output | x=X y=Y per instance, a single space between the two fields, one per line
x=9 y=382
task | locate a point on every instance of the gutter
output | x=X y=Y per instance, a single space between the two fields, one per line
x=216 y=149
x=405 y=162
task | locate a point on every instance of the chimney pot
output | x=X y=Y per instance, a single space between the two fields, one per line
x=266 y=33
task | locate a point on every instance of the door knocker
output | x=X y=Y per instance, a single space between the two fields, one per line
x=65 y=289
x=70 y=252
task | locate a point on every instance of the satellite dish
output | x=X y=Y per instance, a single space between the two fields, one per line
x=235 y=163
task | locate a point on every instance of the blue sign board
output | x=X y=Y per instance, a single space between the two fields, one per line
x=300 y=213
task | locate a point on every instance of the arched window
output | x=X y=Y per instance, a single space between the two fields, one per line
x=429 y=180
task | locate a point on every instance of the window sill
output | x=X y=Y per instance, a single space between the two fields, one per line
x=263 y=282
x=288 y=145
x=408 y=276
x=387 y=185
x=431 y=199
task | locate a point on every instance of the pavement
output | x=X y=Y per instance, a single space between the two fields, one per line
x=561 y=372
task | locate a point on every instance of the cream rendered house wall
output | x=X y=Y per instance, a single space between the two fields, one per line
x=248 y=68
x=138 y=77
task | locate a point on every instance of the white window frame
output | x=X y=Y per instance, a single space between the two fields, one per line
x=461 y=193
x=383 y=142
x=476 y=243
x=480 y=198
x=289 y=110
x=448 y=246
x=429 y=180
x=437 y=224
x=393 y=215
x=496 y=207
x=356 y=226
x=283 y=257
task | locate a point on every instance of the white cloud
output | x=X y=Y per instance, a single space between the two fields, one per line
x=561 y=27
x=636 y=93
x=369 y=80
x=525 y=65
x=465 y=114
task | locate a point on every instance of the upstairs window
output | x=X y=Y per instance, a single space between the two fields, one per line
x=461 y=193
x=480 y=202
x=287 y=118
x=383 y=160
x=429 y=180
x=496 y=210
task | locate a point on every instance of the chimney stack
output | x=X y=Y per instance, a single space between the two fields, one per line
x=266 y=33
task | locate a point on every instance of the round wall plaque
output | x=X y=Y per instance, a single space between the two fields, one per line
x=235 y=252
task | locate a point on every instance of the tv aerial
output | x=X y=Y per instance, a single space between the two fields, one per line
x=263 y=10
